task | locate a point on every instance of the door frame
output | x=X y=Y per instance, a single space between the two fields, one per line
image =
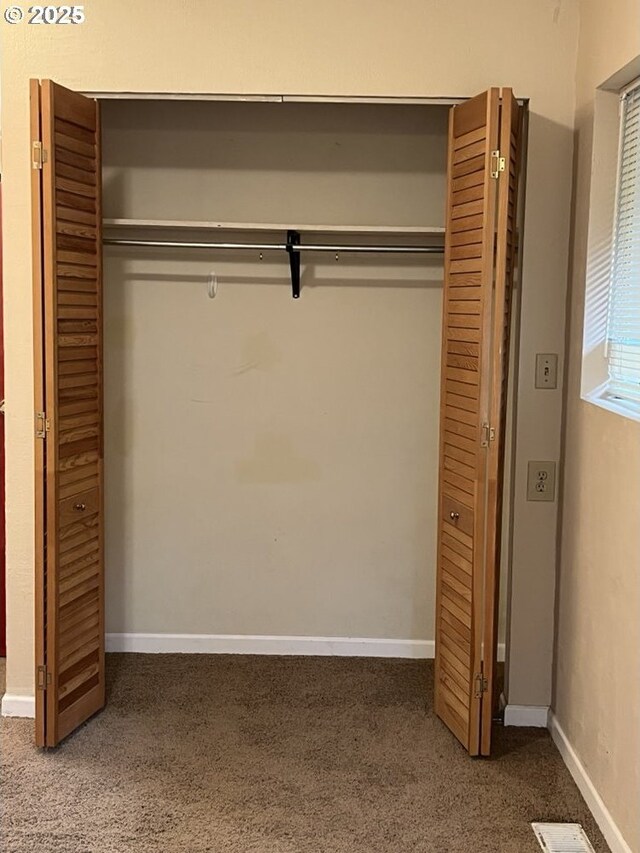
x=3 y=540
x=507 y=511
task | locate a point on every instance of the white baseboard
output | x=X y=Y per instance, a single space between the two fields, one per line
x=588 y=790
x=526 y=715
x=18 y=706
x=245 y=644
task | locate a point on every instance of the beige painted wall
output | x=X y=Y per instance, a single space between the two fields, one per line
x=271 y=464
x=414 y=48
x=597 y=683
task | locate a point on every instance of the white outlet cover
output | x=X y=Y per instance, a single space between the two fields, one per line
x=541 y=481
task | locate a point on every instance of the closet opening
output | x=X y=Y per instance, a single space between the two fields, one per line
x=272 y=465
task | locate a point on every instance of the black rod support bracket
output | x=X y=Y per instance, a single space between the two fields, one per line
x=293 y=239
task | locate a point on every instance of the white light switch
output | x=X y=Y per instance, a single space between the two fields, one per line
x=546 y=370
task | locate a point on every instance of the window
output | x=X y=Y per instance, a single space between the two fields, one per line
x=611 y=344
x=623 y=326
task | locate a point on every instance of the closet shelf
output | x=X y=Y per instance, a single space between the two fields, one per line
x=193 y=225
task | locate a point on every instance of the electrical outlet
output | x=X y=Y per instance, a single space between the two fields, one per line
x=541 y=481
x=546 y=370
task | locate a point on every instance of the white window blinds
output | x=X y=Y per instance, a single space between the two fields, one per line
x=624 y=302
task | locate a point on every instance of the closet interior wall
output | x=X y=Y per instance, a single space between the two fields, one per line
x=271 y=464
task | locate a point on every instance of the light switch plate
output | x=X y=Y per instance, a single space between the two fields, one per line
x=546 y=370
x=541 y=481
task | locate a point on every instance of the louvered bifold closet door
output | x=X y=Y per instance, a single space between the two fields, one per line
x=505 y=255
x=465 y=388
x=73 y=677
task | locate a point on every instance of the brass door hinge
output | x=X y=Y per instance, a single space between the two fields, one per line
x=38 y=155
x=488 y=434
x=498 y=164
x=43 y=424
x=43 y=679
x=480 y=684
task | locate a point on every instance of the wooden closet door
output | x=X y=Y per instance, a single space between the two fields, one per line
x=465 y=405
x=67 y=250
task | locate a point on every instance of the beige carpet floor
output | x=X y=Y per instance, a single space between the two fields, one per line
x=277 y=755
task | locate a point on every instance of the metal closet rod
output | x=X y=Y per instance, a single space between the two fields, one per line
x=292 y=247
x=281 y=247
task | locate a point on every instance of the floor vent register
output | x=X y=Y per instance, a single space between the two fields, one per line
x=562 y=838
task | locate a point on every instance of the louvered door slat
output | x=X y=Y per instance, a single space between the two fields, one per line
x=71 y=331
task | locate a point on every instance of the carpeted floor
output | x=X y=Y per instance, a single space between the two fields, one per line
x=277 y=755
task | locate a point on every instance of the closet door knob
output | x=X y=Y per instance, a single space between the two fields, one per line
x=454 y=516
x=80 y=507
